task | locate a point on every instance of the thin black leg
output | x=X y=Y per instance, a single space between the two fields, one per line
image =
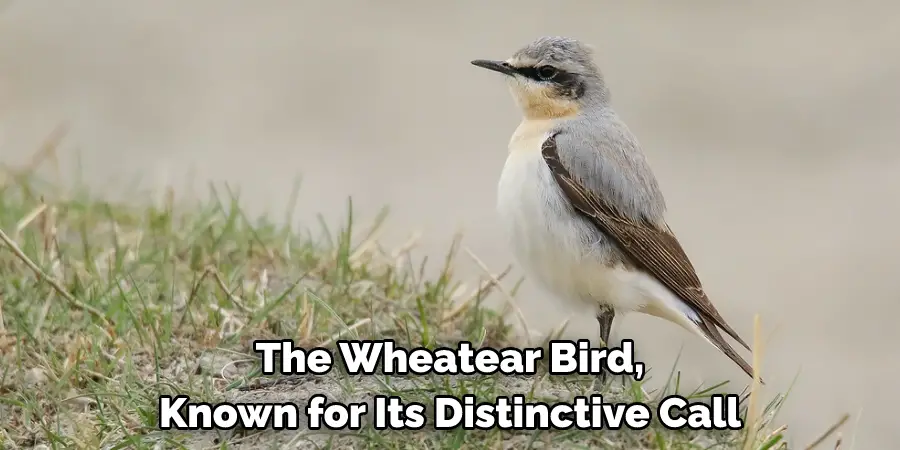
x=605 y=316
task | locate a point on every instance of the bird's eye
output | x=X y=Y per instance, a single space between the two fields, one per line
x=547 y=72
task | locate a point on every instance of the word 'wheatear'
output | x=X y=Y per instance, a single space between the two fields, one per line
x=582 y=207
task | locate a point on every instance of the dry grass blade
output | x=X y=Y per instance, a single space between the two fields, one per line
x=509 y=298
x=483 y=290
x=224 y=287
x=25 y=221
x=829 y=432
x=74 y=302
x=47 y=151
x=775 y=432
x=855 y=427
x=753 y=408
x=341 y=333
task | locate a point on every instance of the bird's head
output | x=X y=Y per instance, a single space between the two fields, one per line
x=552 y=77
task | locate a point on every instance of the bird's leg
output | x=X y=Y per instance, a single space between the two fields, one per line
x=605 y=316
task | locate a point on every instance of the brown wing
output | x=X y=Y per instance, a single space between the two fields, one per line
x=656 y=250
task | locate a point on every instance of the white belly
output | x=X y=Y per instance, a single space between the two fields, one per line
x=562 y=251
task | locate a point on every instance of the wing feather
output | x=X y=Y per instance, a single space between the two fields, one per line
x=655 y=249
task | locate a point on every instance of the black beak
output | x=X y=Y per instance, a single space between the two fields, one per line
x=496 y=66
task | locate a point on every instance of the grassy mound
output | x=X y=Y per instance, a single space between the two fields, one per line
x=107 y=306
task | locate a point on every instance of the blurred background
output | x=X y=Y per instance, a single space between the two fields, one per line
x=772 y=127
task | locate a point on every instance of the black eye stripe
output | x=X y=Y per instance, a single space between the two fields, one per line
x=566 y=83
x=529 y=72
x=562 y=77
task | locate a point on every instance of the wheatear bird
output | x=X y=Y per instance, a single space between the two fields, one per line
x=582 y=207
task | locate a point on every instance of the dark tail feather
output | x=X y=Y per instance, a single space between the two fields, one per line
x=732 y=333
x=712 y=332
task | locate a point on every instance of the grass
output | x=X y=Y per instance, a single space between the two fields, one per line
x=111 y=305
